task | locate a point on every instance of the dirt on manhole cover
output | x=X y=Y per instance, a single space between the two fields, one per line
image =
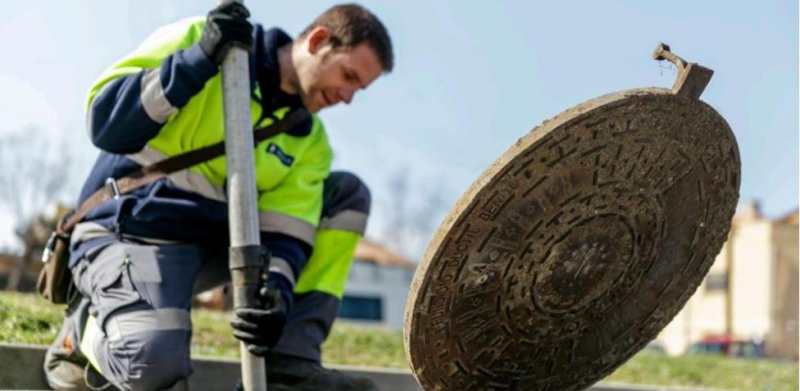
x=576 y=247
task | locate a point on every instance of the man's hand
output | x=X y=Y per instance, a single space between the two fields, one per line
x=226 y=27
x=261 y=328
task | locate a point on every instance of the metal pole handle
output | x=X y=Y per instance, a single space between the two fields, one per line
x=245 y=260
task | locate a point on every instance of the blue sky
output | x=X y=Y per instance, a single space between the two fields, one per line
x=470 y=78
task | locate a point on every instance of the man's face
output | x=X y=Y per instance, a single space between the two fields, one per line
x=328 y=76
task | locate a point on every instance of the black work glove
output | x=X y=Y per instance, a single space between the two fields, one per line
x=261 y=328
x=226 y=27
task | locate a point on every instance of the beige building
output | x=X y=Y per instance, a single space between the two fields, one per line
x=751 y=291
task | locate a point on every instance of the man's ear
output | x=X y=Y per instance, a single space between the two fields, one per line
x=318 y=38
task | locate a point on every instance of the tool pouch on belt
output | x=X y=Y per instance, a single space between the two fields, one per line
x=55 y=278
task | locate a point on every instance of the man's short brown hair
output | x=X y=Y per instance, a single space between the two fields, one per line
x=352 y=24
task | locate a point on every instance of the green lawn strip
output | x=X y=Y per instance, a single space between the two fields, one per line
x=29 y=319
x=358 y=345
x=212 y=334
x=348 y=344
x=708 y=371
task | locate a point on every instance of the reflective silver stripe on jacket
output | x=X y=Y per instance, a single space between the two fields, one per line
x=129 y=323
x=154 y=100
x=184 y=179
x=271 y=221
x=280 y=266
x=89 y=230
x=346 y=220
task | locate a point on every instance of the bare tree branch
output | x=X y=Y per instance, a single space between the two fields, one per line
x=412 y=215
x=34 y=172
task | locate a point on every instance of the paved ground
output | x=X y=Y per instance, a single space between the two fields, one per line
x=20 y=369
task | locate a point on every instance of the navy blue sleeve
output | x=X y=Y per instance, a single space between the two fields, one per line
x=130 y=110
x=294 y=251
x=185 y=73
x=117 y=123
x=285 y=289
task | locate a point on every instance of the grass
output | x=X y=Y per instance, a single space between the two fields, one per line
x=29 y=319
x=348 y=344
x=708 y=371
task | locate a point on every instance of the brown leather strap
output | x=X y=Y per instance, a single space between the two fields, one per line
x=158 y=170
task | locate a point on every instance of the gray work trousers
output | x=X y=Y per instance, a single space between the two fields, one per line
x=140 y=296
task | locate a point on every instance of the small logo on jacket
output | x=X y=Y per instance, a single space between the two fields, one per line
x=282 y=156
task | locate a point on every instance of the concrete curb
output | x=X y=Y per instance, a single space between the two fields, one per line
x=21 y=369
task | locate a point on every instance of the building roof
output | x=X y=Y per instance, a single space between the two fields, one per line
x=747 y=211
x=750 y=211
x=789 y=218
x=372 y=252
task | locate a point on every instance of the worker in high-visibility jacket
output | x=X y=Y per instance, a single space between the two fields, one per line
x=137 y=259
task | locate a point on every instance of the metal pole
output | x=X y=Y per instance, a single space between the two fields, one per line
x=245 y=251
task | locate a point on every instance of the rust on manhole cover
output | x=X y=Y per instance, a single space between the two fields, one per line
x=576 y=247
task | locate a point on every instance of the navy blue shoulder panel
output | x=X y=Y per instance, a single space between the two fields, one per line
x=117 y=118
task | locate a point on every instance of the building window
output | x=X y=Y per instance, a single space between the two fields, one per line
x=716 y=282
x=361 y=308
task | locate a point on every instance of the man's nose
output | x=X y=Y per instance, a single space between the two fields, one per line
x=346 y=95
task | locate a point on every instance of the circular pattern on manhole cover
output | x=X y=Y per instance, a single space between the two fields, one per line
x=576 y=247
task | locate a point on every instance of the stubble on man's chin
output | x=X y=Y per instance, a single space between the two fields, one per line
x=308 y=101
x=304 y=97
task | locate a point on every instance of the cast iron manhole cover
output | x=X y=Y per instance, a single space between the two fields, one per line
x=576 y=247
